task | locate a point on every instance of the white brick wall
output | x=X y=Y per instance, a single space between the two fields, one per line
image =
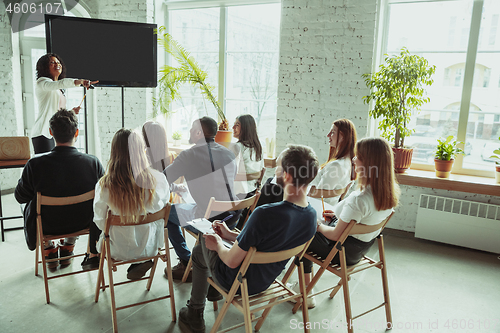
x=10 y=107
x=325 y=47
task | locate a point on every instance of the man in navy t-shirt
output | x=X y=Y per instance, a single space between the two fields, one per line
x=270 y=228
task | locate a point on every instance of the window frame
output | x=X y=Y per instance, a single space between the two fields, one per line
x=223 y=6
x=381 y=48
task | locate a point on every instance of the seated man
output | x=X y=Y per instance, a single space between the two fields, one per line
x=62 y=172
x=209 y=169
x=270 y=228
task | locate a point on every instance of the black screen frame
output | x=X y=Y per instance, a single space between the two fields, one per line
x=86 y=52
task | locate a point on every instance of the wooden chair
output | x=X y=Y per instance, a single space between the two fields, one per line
x=221 y=206
x=344 y=272
x=257 y=176
x=113 y=264
x=320 y=193
x=277 y=293
x=43 y=200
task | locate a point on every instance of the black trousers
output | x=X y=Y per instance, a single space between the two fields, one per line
x=354 y=250
x=42 y=145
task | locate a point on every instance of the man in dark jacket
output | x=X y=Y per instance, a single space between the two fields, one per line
x=62 y=172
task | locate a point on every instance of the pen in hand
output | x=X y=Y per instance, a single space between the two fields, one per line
x=226 y=218
x=216 y=228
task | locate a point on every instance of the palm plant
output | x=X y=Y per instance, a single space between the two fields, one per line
x=188 y=71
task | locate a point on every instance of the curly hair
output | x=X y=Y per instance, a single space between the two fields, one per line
x=43 y=66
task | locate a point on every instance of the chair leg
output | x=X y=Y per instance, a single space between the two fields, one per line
x=385 y=282
x=100 y=274
x=112 y=295
x=221 y=315
x=303 y=290
x=37 y=253
x=169 y=276
x=246 y=307
x=216 y=305
x=189 y=265
x=336 y=289
x=347 y=299
x=44 y=269
x=151 y=274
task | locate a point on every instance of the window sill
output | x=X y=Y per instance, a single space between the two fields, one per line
x=460 y=183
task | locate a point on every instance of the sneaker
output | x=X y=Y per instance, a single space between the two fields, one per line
x=51 y=253
x=90 y=263
x=311 y=301
x=178 y=272
x=192 y=318
x=137 y=271
x=213 y=294
x=65 y=251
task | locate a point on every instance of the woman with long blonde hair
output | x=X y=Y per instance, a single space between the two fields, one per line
x=373 y=201
x=131 y=188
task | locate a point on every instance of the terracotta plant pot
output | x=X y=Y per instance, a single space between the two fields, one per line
x=497 y=173
x=224 y=137
x=443 y=168
x=402 y=159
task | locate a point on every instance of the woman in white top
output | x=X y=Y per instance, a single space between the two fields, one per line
x=131 y=188
x=51 y=73
x=336 y=173
x=249 y=150
x=377 y=195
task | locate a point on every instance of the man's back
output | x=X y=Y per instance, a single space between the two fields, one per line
x=202 y=167
x=62 y=172
x=271 y=228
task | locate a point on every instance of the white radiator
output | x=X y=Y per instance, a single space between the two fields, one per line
x=459 y=222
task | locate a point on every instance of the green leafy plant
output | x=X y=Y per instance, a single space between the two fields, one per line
x=446 y=150
x=496 y=154
x=177 y=135
x=188 y=71
x=397 y=91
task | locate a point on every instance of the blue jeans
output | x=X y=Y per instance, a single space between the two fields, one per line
x=179 y=214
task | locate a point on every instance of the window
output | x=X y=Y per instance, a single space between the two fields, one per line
x=249 y=50
x=464 y=100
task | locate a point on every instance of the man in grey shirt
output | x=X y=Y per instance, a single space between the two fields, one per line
x=209 y=170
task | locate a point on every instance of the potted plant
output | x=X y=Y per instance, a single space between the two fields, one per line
x=446 y=150
x=397 y=91
x=188 y=71
x=496 y=155
x=177 y=136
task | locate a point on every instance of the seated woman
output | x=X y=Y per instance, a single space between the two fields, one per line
x=250 y=150
x=336 y=173
x=370 y=204
x=131 y=188
x=155 y=137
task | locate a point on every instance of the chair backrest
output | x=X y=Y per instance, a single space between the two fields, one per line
x=270 y=162
x=319 y=193
x=354 y=228
x=143 y=219
x=255 y=257
x=43 y=200
x=366 y=229
x=224 y=206
x=257 y=176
